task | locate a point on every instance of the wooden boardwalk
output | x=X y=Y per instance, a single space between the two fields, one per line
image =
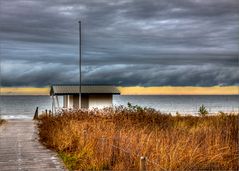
x=20 y=149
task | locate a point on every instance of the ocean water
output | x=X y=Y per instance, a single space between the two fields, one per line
x=17 y=107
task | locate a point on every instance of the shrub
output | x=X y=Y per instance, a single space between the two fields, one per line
x=202 y=111
x=1 y=121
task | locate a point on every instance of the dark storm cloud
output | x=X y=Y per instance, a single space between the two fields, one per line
x=127 y=42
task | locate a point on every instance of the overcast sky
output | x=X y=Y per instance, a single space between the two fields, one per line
x=124 y=42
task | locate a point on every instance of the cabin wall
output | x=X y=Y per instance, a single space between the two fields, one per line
x=65 y=101
x=100 y=101
x=68 y=101
x=71 y=101
x=85 y=101
x=76 y=101
x=88 y=101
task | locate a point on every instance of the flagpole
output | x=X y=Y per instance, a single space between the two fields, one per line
x=80 y=54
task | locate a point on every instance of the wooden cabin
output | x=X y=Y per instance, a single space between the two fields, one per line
x=86 y=96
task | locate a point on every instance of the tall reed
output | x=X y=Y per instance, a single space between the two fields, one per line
x=116 y=138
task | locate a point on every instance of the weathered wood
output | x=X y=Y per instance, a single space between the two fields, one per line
x=85 y=136
x=115 y=150
x=21 y=150
x=142 y=165
x=36 y=114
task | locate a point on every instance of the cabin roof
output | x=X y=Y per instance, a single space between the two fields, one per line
x=85 y=89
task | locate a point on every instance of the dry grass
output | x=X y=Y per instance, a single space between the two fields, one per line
x=84 y=139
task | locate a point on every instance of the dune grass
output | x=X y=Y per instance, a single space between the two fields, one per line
x=116 y=138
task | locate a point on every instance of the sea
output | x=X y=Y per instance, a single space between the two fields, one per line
x=23 y=107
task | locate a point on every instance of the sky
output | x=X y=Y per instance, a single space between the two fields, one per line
x=125 y=43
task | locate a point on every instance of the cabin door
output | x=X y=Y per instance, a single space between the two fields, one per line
x=85 y=101
x=75 y=101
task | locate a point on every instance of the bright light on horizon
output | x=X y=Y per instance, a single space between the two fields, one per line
x=163 y=90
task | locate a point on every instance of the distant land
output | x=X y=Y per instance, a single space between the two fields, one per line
x=164 y=90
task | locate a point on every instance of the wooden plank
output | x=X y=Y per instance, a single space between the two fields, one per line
x=21 y=150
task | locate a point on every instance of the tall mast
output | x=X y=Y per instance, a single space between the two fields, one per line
x=80 y=53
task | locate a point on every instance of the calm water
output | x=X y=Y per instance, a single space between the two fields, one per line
x=12 y=107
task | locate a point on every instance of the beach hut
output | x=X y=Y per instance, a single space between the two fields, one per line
x=85 y=96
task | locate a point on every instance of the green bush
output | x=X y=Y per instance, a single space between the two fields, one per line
x=202 y=111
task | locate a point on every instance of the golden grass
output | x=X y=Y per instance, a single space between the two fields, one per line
x=84 y=139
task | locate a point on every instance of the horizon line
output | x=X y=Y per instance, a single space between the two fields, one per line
x=138 y=90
